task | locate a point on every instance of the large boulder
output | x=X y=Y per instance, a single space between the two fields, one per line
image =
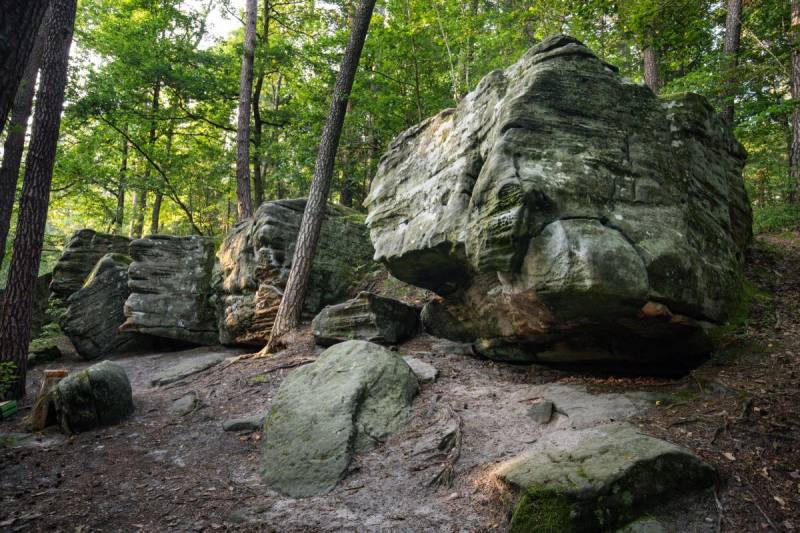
x=97 y=396
x=566 y=214
x=598 y=479
x=81 y=253
x=256 y=257
x=367 y=317
x=348 y=400
x=95 y=312
x=171 y=289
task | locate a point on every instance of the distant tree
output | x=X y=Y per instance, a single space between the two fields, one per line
x=733 y=32
x=243 y=129
x=15 y=318
x=794 y=156
x=19 y=25
x=291 y=307
x=15 y=137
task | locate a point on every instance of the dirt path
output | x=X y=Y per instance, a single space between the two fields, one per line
x=160 y=471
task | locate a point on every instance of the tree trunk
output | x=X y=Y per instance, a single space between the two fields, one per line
x=119 y=214
x=243 y=129
x=139 y=208
x=794 y=159
x=291 y=306
x=258 y=181
x=733 y=31
x=651 y=78
x=19 y=24
x=156 y=213
x=17 y=305
x=15 y=138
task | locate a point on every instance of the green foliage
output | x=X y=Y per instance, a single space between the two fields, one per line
x=8 y=375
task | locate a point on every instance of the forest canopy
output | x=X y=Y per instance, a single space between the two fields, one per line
x=148 y=137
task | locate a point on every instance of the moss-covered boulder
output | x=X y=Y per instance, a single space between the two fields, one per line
x=97 y=396
x=350 y=399
x=51 y=344
x=557 y=203
x=95 y=311
x=367 y=317
x=598 y=479
x=256 y=256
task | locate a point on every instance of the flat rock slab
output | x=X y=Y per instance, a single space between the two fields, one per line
x=350 y=399
x=367 y=317
x=425 y=372
x=186 y=368
x=185 y=404
x=252 y=423
x=598 y=478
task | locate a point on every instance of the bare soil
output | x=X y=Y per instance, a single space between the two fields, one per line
x=159 y=471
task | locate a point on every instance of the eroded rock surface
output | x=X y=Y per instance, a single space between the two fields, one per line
x=170 y=281
x=256 y=257
x=566 y=214
x=350 y=399
x=95 y=311
x=81 y=253
x=367 y=317
x=598 y=478
x=97 y=396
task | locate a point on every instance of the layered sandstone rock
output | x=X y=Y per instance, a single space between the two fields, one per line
x=566 y=214
x=81 y=253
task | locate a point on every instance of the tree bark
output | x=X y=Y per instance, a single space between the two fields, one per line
x=291 y=307
x=651 y=78
x=15 y=138
x=243 y=129
x=19 y=24
x=733 y=32
x=156 y=214
x=794 y=151
x=258 y=181
x=139 y=208
x=15 y=317
x=119 y=214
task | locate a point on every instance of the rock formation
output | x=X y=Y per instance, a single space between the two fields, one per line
x=170 y=281
x=256 y=257
x=81 y=253
x=566 y=214
x=367 y=317
x=95 y=312
x=351 y=398
x=598 y=479
x=97 y=396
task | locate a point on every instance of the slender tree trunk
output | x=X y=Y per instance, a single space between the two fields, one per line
x=139 y=208
x=417 y=91
x=276 y=103
x=19 y=24
x=156 y=215
x=119 y=214
x=15 y=138
x=15 y=319
x=651 y=78
x=733 y=32
x=243 y=130
x=794 y=159
x=258 y=182
x=291 y=307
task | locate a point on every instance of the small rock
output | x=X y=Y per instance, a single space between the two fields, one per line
x=425 y=372
x=541 y=412
x=185 y=404
x=254 y=423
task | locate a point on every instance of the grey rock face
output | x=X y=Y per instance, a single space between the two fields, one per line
x=170 y=281
x=556 y=202
x=367 y=317
x=426 y=373
x=95 y=311
x=186 y=367
x=98 y=396
x=599 y=478
x=350 y=399
x=256 y=257
x=244 y=424
x=81 y=253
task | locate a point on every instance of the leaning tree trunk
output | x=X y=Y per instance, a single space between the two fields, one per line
x=15 y=318
x=119 y=214
x=15 y=138
x=19 y=24
x=243 y=129
x=794 y=152
x=291 y=306
x=651 y=78
x=733 y=32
